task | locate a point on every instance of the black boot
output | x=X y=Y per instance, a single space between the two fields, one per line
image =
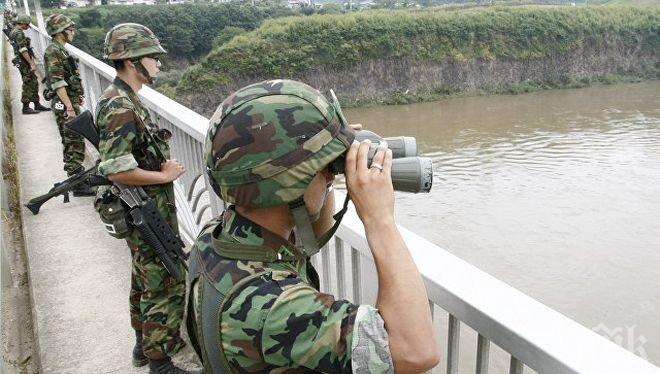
x=28 y=110
x=164 y=366
x=139 y=359
x=39 y=107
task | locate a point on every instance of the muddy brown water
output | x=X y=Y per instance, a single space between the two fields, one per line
x=556 y=193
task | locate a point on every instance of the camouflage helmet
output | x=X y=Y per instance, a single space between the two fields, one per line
x=129 y=41
x=266 y=142
x=56 y=23
x=22 y=18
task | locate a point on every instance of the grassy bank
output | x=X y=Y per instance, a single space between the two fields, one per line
x=651 y=73
x=297 y=48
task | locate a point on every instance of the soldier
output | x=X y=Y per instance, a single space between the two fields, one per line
x=66 y=92
x=9 y=19
x=254 y=303
x=134 y=151
x=25 y=63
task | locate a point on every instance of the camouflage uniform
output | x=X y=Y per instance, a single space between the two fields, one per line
x=21 y=43
x=9 y=19
x=129 y=139
x=62 y=71
x=264 y=145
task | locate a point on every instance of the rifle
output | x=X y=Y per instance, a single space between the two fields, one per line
x=141 y=211
x=65 y=186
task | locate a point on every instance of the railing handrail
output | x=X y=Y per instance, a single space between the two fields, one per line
x=541 y=337
x=533 y=333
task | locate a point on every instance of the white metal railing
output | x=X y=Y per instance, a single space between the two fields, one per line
x=530 y=333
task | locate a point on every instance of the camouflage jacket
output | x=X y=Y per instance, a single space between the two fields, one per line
x=62 y=70
x=20 y=42
x=279 y=322
x=128 y=140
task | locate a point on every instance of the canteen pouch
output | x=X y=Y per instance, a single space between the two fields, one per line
x=113 y=215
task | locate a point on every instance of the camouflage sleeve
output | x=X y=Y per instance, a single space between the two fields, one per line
x=55 y=68
x=309 y=329
x=371 y=349
x=21 y=41
x=118 y=133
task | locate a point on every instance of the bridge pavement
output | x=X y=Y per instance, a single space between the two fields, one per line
x=80 y=276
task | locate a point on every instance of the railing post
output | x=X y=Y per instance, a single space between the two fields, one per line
x=516 y=366
x=483 y=350
x=454 y=333
x=27 y=8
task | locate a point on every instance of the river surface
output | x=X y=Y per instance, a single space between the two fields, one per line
x=556 y=193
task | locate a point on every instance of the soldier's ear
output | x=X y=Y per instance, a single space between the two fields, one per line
x=129 y=64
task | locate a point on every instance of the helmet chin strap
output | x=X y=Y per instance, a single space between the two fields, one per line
x=142 y=70
x=303 y=225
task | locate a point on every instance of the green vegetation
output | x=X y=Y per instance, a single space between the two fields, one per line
x=186 y=31
x=290 y=47
x=515 y=89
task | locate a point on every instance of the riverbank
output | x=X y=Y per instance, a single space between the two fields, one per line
x=565 y=82
x=390 y=57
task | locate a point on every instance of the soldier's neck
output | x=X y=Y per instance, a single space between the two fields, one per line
x=60 y=39
x=131 y=79
x=276 y=219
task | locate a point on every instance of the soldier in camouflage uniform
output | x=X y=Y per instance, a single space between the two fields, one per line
x=66 y=94
x=9 y=20
x=24 y=61
x=134 y=151
x=254 y=302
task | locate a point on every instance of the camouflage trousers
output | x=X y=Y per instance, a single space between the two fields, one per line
x=30 y=84
x=156 y=303
x=73 y=145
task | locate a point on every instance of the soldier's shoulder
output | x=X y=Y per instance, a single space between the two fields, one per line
x=114 y=99
x=51 y=50
x=270 y=286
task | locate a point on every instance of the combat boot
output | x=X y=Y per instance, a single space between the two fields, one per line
x=139 y=359
x=39 y=107
x=28 y=110
x=164 y=366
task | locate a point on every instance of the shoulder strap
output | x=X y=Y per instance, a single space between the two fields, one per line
x=207 y=339
x=148 y=130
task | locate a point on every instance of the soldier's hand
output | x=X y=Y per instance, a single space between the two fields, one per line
x=355 y=126
x=370 y=188
x=172 y=170
x=70 y=113
x=33 y=67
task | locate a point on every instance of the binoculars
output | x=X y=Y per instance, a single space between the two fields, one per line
x=410 y=173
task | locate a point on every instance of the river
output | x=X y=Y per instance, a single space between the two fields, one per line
x=556 y=193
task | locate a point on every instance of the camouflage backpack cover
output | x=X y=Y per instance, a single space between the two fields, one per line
x=56 y=23
x=130 y=41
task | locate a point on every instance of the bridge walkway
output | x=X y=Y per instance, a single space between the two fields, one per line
x=80 y=276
